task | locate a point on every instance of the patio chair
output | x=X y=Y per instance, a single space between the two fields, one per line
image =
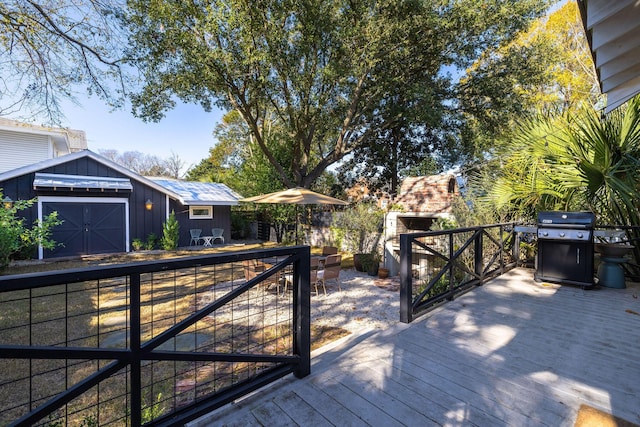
x=217 y=234
x=313 y=276
x=254 y=267
x=195 y=236
x=329 y=250
x=331 y=271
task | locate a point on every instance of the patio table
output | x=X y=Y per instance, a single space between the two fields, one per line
x=208 y=241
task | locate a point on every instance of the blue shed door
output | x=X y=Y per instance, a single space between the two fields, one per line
x=88 y=228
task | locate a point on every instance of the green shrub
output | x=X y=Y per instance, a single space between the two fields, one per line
x=239 y=225
x=441 y=286
x=370 y=261
x=170 y=233
x=152 y=242
x=137 y=244
x=18 y=241
x=358 y=228
x=155 y=410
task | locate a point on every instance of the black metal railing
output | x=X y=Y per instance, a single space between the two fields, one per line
x=437 y=266
x=151 y=343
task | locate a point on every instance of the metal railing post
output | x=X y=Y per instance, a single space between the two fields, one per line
x=406 y=297
x=136 y=372
x=302 y=312
x=479 y=257
x=515 y=250
x=450 y=296
x=500 y=230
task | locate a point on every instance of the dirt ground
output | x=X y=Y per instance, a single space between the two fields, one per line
x=320 y=334
x=33 y=266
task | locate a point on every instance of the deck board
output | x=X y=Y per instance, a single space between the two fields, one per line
x=511 y=352
x=301 y=412
x=365 y=402
x=272 y=415
x=327 y=406
x=500 y=387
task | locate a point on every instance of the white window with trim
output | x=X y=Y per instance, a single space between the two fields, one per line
x=200 y=212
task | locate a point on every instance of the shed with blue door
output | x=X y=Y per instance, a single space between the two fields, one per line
x=105 y=206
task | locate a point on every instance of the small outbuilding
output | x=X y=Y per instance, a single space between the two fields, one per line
x=423 y=200
x=105 y=206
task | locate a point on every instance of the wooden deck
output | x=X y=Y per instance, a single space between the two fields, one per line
x=510 y=353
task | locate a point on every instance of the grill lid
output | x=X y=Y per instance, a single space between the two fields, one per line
x=555 y=219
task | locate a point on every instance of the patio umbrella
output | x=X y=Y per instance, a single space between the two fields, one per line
x=295 y=196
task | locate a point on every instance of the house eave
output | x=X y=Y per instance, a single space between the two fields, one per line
x=613 y=33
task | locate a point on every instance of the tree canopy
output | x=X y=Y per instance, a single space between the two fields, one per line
x=546 y=69
x=370 y=84
x=237 y=161
x=48 y=49
x=315 y=80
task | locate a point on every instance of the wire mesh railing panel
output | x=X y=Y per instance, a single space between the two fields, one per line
x=436 y=266
x=133 y=344
x=109 y=326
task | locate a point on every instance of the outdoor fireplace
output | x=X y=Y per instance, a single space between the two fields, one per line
x=397 y=223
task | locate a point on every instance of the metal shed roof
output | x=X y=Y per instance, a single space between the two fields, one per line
x=199 y=193
x=81 y=182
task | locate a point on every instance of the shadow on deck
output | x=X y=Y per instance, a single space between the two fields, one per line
x=512 y=352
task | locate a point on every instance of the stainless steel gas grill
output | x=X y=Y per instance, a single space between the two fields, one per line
x=565 y=248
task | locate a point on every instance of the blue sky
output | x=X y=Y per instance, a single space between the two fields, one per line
x=186 y=130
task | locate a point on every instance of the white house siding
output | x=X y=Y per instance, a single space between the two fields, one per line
x=19 y=149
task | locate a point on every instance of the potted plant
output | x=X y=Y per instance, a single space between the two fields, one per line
x=357 y=261
x=383 y=272
x=370 y=262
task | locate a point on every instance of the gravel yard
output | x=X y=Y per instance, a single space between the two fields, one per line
x=365 y=302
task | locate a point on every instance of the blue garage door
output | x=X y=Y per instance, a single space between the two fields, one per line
x=88 y=228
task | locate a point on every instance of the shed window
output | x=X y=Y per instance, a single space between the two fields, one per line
x=200 y=212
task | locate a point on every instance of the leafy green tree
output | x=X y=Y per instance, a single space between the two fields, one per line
x=170 y=233
x=227 y=156
x=17 y=241
x=330 y=184
x=358 y=229
x=396 y=154
x=428 y=166
x=47 y=48
x=313 y=80
x=575 y=161
x=546 y=69
x=237 y=161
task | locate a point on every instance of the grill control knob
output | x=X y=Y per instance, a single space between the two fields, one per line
x=544 y=233
x=579 y=235
x=561 y=234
